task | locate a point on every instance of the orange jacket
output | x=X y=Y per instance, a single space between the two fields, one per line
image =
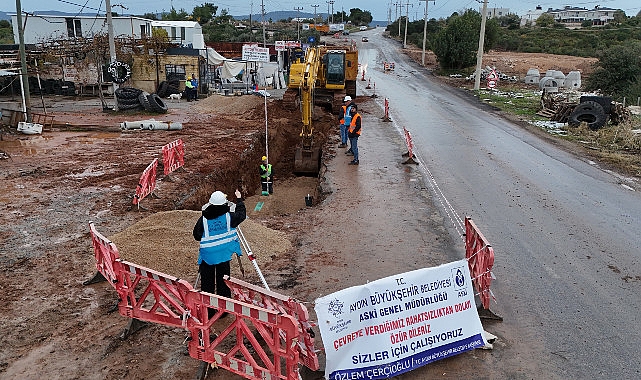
x=355 y=125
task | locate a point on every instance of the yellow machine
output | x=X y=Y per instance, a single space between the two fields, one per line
x=324 y=77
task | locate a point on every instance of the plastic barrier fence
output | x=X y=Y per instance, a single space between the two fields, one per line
x=147 y=182
x=410 y=148
x=386 y=117
x=480 y=258
x=173 y=156
x=156 y=297
x=269 y=300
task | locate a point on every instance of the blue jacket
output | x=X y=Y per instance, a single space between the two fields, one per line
x=216 y=231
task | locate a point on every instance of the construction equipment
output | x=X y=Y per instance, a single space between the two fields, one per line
x=323 y=77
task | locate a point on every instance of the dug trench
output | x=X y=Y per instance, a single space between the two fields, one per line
x=55 y=184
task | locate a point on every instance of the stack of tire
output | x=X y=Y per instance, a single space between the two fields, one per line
x=130 y=98
x=592 y=110
x=166 y=88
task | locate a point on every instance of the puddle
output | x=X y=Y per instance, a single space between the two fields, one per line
x=33 y=145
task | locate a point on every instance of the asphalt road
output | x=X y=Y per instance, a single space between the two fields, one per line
x=564 y=231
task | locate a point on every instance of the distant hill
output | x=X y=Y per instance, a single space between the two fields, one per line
x=278 y=15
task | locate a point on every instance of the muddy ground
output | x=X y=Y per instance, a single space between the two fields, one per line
x=86 y=169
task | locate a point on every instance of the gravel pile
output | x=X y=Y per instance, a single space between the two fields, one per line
x=164 y=242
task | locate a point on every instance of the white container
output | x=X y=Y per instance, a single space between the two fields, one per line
x=29 y=128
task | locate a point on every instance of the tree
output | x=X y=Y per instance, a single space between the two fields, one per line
x=150 y=16
x=545 y=20
x=359 y=17
x=619 y=17
x=456 y=45
x=511 y=21
x=174 y=15
x=204 y=13
x=618 y=71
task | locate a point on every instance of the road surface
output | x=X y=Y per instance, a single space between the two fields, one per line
x=564 y=231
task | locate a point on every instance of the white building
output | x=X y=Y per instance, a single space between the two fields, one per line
x=531 y=16
x=43 y=28
x=185 y=33
x=495 y=12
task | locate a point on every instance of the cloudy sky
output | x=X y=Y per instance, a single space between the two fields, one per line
x=380 y=9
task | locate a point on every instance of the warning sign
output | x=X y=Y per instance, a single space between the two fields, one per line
x=255 y=53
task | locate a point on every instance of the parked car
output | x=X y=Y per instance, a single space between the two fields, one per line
x=363 y=27
x=364 y=39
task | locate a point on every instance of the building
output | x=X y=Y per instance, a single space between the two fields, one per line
x=530 y=17
x=46 y=28
x=572 y=17
x=495 y=12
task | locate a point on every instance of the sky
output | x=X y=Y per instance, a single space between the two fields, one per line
x=381 y=10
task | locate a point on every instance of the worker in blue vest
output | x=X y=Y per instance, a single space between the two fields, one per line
x=266 y=177
x=216 y=232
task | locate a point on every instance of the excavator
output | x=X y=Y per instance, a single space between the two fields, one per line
x=324 y=76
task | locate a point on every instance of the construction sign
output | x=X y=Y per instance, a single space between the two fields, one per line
x=255 y=53
x=399 y=323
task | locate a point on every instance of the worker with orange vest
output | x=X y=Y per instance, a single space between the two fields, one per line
x=344 y=120
x=354 y=132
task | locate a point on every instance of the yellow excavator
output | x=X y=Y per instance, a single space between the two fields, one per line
x=323 y=77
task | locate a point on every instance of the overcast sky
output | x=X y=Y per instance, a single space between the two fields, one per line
x=380 y=9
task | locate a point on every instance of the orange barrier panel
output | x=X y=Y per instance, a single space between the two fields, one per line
x=147 y=182
x=106 y=255
x=269 y=300
x=386 y=117
x=410 y=148
x=480 y=258
x=173 y=156
x=236 y=348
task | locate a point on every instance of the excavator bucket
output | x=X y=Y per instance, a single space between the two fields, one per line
x=307 y=161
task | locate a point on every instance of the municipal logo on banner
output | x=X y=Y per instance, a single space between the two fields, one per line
x=398 y=323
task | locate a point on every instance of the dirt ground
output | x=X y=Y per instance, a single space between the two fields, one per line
x=86 y=169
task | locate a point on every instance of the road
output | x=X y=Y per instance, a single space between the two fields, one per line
x=564 y=231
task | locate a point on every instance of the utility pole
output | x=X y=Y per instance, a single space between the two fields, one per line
x=262 y=18
x=251 y=29
x=298 y=9
x=24 y=75
x=314 y=6
x=479 y=53
x=407 y=12
x=332 y=3
x=424 y=32
x=397 y=6
x=328 y=10
x=112 y=47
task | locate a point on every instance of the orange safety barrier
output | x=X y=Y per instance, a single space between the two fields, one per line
x=480 y=258
x=147 y=295
x=173 y=156
x=386 y=117
x=410 y=148
x=236 y=348
x=269 y=300
x=147 y=182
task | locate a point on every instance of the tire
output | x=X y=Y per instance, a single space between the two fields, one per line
x=588 y=112
x=162 y=89
x=172 y=90
x=604 y=101
x=144 y=101
x=157 y=104
x=133 y=106
x=127 y=93
x=119 y=71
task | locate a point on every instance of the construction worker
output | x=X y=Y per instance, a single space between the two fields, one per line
x=216 y=232
x=189 y=86
x=344 y=120
x=354 y=132
x=266 y=177
x=194 y=90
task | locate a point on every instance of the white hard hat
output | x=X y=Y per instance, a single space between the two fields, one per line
x=218 y=198
x=347 y=98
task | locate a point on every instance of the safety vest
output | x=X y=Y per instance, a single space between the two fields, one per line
x=346 y=116
x=219 y=240
x=267 y=172
x=188 y=84
x=352 y=125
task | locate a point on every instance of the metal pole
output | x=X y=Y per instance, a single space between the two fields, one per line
x=251 y=257
x=262 y=6
x=298 y=9
x=112 y=48
x=314 y=6
x=407 y=12
x=479 y=53
x=24 y=75
x=424 y=33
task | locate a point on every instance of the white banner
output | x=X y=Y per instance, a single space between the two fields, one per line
x=255 y=53
x=398 y=323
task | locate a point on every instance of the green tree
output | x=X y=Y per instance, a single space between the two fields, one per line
x=359 y=17
x=150 y=16
x=511 y=21
x=545 y=20
x=174 y=15
x=204 y=13
x=456 y=45
x=618 y=71
x=619 y=17
x=6 y=32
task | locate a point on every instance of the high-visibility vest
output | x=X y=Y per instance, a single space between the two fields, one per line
x=352 y=125
x=267 y=172
x=345 y=114
x=219 y=240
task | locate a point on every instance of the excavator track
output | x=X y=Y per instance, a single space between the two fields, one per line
x=291 y=99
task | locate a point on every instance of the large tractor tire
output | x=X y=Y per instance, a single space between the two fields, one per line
x=589 y=112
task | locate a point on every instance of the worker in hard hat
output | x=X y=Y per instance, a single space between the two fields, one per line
x=344 y=119
x=216 y=232
x=354 y=132
x=189 y=88
x=266 y=177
